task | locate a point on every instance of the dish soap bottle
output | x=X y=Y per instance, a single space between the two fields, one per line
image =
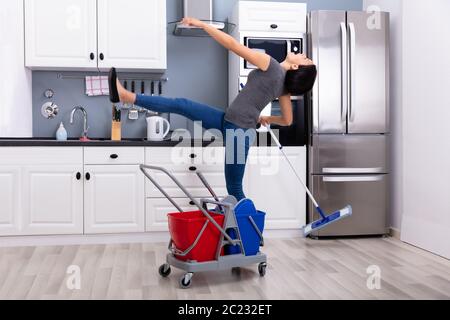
x=61 y=133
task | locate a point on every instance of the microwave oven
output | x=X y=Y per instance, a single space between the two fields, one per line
x=277 y=48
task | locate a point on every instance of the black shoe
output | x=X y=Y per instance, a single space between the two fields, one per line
x=112 y=81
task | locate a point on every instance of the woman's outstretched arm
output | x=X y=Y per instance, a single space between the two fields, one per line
x=286 y=113
x=259 y=59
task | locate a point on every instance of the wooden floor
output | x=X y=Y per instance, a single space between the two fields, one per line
x=298 y=269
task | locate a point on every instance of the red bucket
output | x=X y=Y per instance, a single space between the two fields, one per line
x=184 y=228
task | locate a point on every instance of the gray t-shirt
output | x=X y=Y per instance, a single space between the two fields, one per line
x=262 y=88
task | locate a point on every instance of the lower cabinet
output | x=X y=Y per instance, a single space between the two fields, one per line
x=57 y=191
x=113 y=199
x=52 y=200
x=41 y=191
x=274 y=188
x=183 y=163
x=10 y=191
x=269 y=182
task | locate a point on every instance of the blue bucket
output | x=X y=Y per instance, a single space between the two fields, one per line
x=250 y=236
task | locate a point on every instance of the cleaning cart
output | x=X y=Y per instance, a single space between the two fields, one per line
x=199 y=238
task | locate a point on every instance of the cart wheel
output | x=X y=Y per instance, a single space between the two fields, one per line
x=164 y=270
x=186 y=280
x=262 y=269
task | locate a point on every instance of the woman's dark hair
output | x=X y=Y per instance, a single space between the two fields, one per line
x=301 y=81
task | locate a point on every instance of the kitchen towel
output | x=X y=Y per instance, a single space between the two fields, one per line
x=97 y=86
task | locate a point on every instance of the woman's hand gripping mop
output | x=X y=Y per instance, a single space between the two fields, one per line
x=324 y=220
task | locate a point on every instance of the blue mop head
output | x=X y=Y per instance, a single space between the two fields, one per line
x=323 y=222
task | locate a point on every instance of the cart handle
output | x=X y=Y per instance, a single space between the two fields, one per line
x=207 y=185
x=197 y=204
x=218 y=203
x=257 y=230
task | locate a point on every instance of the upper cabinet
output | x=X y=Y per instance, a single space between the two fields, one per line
x=88 y=34
x=273 y=17
x=60 y=34
x=132 y=34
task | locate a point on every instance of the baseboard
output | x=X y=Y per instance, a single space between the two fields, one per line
x=395 y=233
x=423 y=232
x=150 y=237
x=68 y=240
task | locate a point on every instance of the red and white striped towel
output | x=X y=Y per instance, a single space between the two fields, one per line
x=97 y=86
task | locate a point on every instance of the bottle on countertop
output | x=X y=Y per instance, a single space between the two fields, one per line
x=61 y=133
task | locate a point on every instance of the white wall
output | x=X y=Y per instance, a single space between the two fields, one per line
x=394 y=7
x=15 y=80
x=426 y=117
x=421 y=113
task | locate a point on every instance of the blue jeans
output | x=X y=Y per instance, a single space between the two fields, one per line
x=237 y=140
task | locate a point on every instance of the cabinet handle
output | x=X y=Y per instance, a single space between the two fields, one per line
x=88 y=176
x=192 y=169
x=102 y=56
x=114 y=156
x=92 y=56
x=78 y=176
x=193 y=156
x=274 y=26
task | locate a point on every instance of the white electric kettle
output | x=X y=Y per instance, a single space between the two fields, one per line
x=155 y=128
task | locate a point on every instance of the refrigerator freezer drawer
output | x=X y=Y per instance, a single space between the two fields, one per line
x=368 y=196
x=349 y=154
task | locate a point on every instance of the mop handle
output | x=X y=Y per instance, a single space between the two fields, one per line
x=274 y=137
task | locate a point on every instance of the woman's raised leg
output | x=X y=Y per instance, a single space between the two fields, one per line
x=211 y=118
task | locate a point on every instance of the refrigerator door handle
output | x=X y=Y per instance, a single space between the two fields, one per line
x=354 y=179
x=352 y=31
x=351 y=170
x=344 y=72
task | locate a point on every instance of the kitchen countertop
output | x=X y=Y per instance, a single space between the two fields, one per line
x=50 y=142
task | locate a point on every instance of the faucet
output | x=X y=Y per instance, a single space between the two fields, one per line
x=84 y=136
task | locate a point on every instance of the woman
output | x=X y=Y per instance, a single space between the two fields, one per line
x=272 y=80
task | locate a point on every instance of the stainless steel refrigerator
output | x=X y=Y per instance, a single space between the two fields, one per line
x=349 y=119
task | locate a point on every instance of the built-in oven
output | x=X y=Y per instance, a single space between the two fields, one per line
x=295 y=135
x=276 y=47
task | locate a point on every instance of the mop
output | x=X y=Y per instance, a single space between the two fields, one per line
x=324 y=220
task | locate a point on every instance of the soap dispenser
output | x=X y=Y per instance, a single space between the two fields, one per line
x=61 y=133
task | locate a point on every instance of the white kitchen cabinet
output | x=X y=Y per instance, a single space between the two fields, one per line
x=157 y=210
x=132 y=34
x=274 y=17
x=91 y=34
x=10 y=191
x=40 y=193
x=60 y=34
x=113 y=199
x=183 y=163
x=273 y=187
x=52 y=200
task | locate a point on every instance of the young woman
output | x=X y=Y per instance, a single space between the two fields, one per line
x=294 y=76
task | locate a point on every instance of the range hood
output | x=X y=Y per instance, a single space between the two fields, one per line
x=202 y=10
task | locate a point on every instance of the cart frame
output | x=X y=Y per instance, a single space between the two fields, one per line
x=226 y=207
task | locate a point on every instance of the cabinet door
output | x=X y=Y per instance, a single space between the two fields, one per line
x=9 y=200
x=132 y=34
x=182 y=163
x=113 y=199
x=60 y=34
x=272 y=17
x=52 y=200
x=274 y=187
